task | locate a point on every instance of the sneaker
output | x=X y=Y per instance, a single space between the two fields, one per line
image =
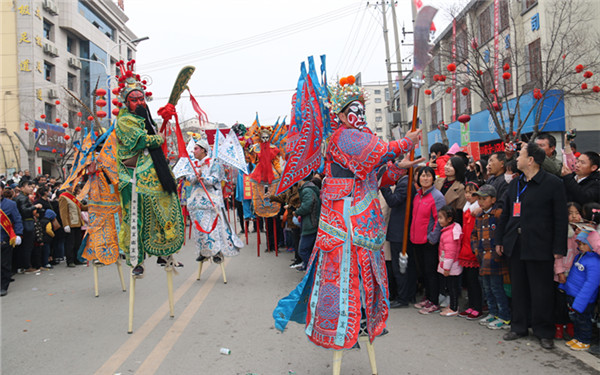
x=295 y=264
x=71 y=265
x=465 y=313
x=579 y=346
x=422 y=304
x=431 y=308
x=449 y=312
x=218 y=259
x=161 y=261
x=474 y=315
x=498 y=324
x=572 y=342
x=487 y=320
x=32 y=270
x=138 y=271
x=201 y=258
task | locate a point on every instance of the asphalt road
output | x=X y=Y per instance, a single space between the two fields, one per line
x=53 y=324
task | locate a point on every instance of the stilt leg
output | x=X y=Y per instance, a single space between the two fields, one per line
x=275 y=236
x=170 y=288
x=131 y=301
x=191 y=225
x=121 y=275
x=223 y=271
x=267 y=231
x=371 y=351
x=228 y=214
x=246 y=230
x=199 y=270
x=257 y=238
x=95 y=280
x=337 y=361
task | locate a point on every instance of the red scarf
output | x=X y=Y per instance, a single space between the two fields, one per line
x=7 y=225
x=71 y=197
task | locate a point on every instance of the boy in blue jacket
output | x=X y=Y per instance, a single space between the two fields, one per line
x=582 y=288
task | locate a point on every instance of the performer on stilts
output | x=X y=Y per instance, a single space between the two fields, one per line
x=152 y=219
x=213 y=234
x=344 y=292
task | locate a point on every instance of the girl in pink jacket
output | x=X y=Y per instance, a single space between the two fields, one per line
x=448 y=250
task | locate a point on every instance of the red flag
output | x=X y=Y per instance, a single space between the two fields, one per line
x=202 y=117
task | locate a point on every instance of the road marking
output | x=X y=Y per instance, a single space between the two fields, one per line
x=120 y=356
x=164 y=346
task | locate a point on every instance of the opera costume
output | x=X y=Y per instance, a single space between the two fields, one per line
x=265 y=175
x=152 y=218
x=213 y=234
x=344 y=292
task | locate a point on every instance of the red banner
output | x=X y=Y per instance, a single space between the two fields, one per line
x=496 y=41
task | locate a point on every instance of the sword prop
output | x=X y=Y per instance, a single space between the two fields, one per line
x=421 y=59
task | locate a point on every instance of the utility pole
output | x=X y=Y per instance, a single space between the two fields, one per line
x=401 y=95
x=389 y=70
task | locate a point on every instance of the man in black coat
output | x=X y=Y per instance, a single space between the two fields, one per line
x=583 y=185
x=533 y=232
x=26 y=209
x=406 y=283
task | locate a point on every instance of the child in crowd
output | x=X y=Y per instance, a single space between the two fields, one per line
x=466 y=257
x=582 y=288
x=561 y=271
x=47 y=227
x=448 y=250
x=493 y=267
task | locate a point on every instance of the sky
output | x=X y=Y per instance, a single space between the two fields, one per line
x=247 y=53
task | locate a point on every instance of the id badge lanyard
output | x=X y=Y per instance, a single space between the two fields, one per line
x=517 y=204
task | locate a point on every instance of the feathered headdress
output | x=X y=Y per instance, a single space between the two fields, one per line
x=129 y=81
x=345 y=92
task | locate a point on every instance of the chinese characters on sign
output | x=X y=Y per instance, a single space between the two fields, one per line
x=507 y=41
x=38 y=94
x=24 y=9
x=489 y=148
x=24 y=66
x=535 y=22
x=247 y=187
x=24 y=38
x=38 y=41
x=38 y=66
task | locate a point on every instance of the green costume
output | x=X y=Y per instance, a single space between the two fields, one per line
x=159 y=221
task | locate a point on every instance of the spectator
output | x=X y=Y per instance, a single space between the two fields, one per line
x=574 y=148
x=438 y=158
x=452 y=186
x=449 y=248
x=481 y=170
x=26 y=209
x=70 y=213
x=496 y=169
x=552 y=163
x=11 y=232
x=309 y=211
x=26 y=176
x=533 y=232
x=512 y=171
x=290 y=201
x=583 y=185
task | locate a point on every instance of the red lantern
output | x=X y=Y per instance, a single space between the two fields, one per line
x=564 y=56
x=443 y=78
x=42 y=116
x=492 y=91
x=26 y=127
x=100 y=103
x=464 y=118
x=588 y=74
x=427 y=92
x=497 y=106
x=506 y=75
x=101 y=114
x=448 y=90
x=57 y=120
x=82 y=122
x=65 y=125
x=57 y=102
x=90 y=118
x=26 y=124
x=34 y=130
x=537 y=94
x=480 y=72
x=579 y=68
x=78 y=129
x=465 y=91
x=584 y=86
x=451 y=67
x=115 y=101
x=506 y=67
x=37 y=149
x=100 y=92
x=596 y=88
x=67 y=137
x=436 y=77
x=79 y=114
x=54 y=151
x=115 y=111
x=115 y=91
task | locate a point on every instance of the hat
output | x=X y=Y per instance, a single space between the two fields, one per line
x=201 y=140
x=129 y=81
x=345 y=92
x=50 y=215
x=592 y=239
x=454 y=149
x=486 y=191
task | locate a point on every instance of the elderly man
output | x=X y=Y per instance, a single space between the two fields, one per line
x=10 y=235
x=552 y=162
x=583 y=184
x=532 y=232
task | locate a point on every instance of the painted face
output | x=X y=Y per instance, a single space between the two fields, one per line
x=355 y=115
x=135 y=99
x=264 y=137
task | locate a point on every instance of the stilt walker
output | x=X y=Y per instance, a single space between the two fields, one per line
x=346 y=272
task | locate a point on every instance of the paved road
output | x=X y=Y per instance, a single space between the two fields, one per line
x=52 y=324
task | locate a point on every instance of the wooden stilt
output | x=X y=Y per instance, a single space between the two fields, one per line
x=371 y=351
x=228 y=214
x=337 y=361
x=266 y=221
x=235 y=219
x=121 y=275
x=131 y=301
x=183 y=209
x=275 y=236
x=246 y=230
x=191 y=225
x=95 y=281
x=223 y=272
x=199 y=270
x=170 y=288
x=257 y=238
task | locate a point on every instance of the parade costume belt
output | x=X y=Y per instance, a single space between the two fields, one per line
x=72 y=198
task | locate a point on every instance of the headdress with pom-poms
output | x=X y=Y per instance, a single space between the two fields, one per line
x=345 y=92
x=129 y=81
x=201 y=140
x=266 y=129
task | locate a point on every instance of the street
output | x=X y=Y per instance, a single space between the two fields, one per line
x=53 y=324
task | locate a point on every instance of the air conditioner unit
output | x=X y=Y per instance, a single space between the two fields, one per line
x=74 y=63
x=50 y=6
x=50 y=49
x=53 y=93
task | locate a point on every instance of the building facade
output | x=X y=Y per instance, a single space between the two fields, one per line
x=376 y=109
x=49 y=46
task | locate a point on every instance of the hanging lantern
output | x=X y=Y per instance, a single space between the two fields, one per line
x=65 y=125
x=497 y=106
x=115 y=111
x=115 y=101
x=67 y=137
x=596 y=88
x=101 y=114
x=579 y=68
x=448 y=90
x=584 y=86
x=588 y=74
x=537 y=94
x=451 y=67
x=78 y=129
x=57 y=102
x=37 y=149
x=506 y=67
x=90 y=118
x=436 y=77
x=42 y=116
x=100 y=92
x=34 y=130
x=54 y=151
x=26 y=127
x=115 y=91
x=464 y=118
x=100 y=103
x=465 y=91
x=427 y=92
x=506 y=75
x=442 y=78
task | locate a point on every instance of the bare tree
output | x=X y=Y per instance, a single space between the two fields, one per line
x=556 y=68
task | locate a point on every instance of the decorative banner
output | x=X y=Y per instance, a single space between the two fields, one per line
x=183 y=167
x=230 y=151
x=50 y=137
x=465 y=135
x=472 y=149
x=247 y=187
x=454 y=72
x=496 y=41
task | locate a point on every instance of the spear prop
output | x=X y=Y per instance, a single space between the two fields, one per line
x=421 y=59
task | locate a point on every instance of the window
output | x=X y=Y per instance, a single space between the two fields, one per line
x=48 y=30
x=377 y=92
x=462 y=46
x=528 y=4
x=488 y=82
x=72 y=82
x=70 y=45
x=48 y=71
x=96 y=20
x=377 y=100
x=129 y=53
x=377 y=110
x=504 y=16
x=378 y=118
x=409 y=96
x=49 y=112
x=73 y=119
x=463 y=104
x=437 y=114
x=485 y=25
x=535 y=61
